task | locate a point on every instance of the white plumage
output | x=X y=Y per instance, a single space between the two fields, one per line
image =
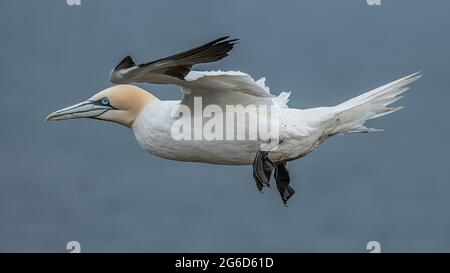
x=300 y=131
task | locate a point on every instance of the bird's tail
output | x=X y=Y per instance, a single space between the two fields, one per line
x=351 y=115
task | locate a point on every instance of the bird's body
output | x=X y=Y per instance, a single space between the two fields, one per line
x=301 y=131
x=152 y=130
x=293 y=134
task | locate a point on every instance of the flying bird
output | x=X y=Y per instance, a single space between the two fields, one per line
x=300 y=131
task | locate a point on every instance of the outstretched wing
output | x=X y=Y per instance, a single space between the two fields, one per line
x=174 y=68
x=215 y=87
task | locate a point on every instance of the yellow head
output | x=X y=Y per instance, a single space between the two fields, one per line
x=121 y=104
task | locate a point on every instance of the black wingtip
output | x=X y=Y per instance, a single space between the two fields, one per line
x=233 y=41
x=224 y=40
x=180 y=64
x=126 y=62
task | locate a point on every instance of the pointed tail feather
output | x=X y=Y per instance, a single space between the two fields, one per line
x=351 y=115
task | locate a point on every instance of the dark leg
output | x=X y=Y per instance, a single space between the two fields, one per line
x=262 y=169
x=282 y=179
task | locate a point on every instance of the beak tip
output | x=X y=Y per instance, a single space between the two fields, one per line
x=49 y=118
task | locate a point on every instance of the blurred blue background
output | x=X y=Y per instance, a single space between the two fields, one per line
x=90 y=181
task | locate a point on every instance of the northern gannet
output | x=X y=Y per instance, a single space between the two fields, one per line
x=300 y=131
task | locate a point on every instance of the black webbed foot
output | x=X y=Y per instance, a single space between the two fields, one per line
x=283 y=180
x=262 y=169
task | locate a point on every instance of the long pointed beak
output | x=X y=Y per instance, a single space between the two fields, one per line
x=85 y=109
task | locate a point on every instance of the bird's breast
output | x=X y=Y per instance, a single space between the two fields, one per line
x=153 y=130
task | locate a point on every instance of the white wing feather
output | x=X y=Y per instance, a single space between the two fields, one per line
x=229 y=88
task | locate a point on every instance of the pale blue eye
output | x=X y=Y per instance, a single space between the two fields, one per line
x=104 y=101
